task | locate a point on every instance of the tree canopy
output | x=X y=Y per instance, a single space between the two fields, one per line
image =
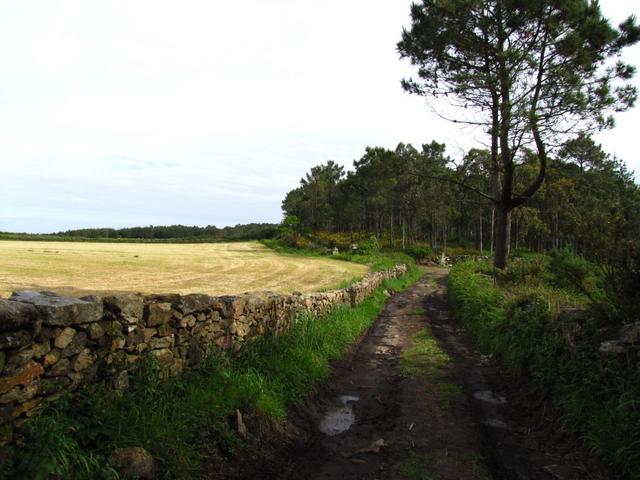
x=529 y=73
x=398 y=196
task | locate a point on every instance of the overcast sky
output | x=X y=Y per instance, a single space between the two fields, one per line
x=137 y=112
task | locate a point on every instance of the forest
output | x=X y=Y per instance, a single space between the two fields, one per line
x=411 y=196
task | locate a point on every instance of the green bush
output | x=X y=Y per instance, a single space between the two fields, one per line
x=572 y=271
x=418 y=252
x=369 y=247
x=599 y=399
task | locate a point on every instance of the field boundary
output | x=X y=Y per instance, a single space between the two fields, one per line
x=51 y=344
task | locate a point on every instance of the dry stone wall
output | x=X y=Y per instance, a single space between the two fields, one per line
x=51 y=344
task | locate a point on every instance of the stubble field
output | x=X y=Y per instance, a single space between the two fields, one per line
x=77 y=269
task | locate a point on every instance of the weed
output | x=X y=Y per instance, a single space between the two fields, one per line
x=423 y=356
x=416 y=467
x=446 y=393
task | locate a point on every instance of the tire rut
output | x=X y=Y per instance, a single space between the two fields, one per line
x=451 y=421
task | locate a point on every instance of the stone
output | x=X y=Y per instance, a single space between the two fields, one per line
x=158 y=314
x=195 y=352
x=20 y=394
x=612 y=348
x=129 y=307
x=135 y=337
x=56 y=310
x=118 y=343
x=83 y=360
x=28 y=374
x=15 y=362
x=232 y=307
x=60 y=369
x=49 y=386
x=40 y=349
x=133 y=462
x=112 y=328
x=195 y=302
x=163 y=356
x=120 y=381
x=165 y=330
x=65 y=338
x=162 y=342
x=3 y=358
x=16 y=315
x=76 y=346
x=187 y=321
x=16 y=339
x=52 y=357
x=630 y=334
x=149 y=333
x=26 y=407
x=96 y=331
x=239 y=425
x=239 y=328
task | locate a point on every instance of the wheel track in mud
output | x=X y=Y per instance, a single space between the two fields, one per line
x=402 y=428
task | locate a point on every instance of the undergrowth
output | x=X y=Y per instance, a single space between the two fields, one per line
x=185 y=421
x=374 y=258
x=523 y=319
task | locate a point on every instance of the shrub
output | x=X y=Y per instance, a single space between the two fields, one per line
x=370 y=246
x=418 y=252
x=598 y=398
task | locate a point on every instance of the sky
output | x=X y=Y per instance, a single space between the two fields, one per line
x=155 y=112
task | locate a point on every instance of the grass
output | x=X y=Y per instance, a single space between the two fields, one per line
x=523 y=326
x=417 y=467
x=184 y=421
x=79 y=268
x=375 y=260
x=423 y=356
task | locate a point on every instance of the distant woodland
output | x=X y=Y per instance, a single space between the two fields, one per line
x=250 y=231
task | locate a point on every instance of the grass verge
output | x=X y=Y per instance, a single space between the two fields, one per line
x=184 y=421
x=524 y=327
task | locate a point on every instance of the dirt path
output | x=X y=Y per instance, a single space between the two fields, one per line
x=415 y=401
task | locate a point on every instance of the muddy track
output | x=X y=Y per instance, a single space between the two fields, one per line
x=387 y=413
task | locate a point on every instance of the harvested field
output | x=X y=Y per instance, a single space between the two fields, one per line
x=76 y=269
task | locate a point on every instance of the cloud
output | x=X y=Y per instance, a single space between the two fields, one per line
x=118 y=113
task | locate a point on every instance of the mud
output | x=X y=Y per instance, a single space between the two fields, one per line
x=372 y=420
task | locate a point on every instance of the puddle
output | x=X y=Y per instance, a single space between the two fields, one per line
x=339 y=419
x=382 y=350
x=490 y=397
x=494 y=423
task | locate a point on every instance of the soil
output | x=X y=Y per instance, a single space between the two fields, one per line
x=375 y=419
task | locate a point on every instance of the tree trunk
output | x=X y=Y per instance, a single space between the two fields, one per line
x=444 y=237
x=493 y=228
x=480 y=234
x=391 y=238
x=503 y=236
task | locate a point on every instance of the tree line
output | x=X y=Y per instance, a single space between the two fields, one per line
x=238 y=232
x=589 y=202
